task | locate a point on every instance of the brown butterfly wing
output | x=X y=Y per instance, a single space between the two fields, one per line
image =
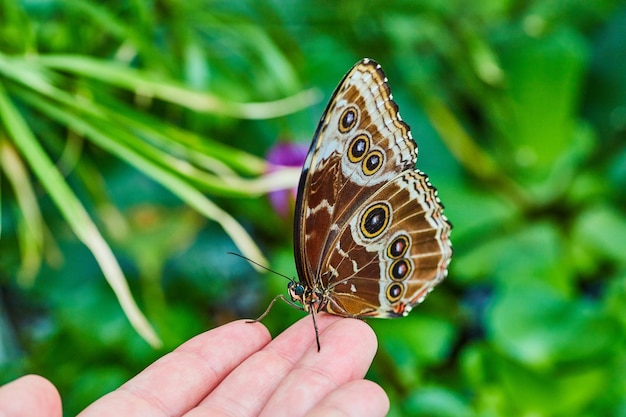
x=360 y=144
x=393 y=251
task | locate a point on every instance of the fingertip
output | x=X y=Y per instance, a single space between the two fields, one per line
x=300 y=336
x=30 y=395
x=257 y=327
x=348 y=347
x=363 y=331
x=237 y=332
x=353 y=329
x=42 y=390
x=378 y=395
x=355 y=398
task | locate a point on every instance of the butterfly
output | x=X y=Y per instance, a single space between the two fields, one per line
x=370 y=236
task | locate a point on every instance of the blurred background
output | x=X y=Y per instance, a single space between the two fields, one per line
x=142 y=140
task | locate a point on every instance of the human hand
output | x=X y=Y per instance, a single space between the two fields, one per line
x=235 y=370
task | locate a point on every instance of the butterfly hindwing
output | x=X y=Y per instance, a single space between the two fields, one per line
x=392 y=252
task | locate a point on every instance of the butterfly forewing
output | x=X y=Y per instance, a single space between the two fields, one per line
x=360 y=143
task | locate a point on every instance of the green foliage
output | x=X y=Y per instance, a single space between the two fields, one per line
x=132 y=143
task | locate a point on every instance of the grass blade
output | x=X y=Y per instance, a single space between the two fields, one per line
x=112 y=138
x=74 y=213
x=151 y=85
x=31 y=231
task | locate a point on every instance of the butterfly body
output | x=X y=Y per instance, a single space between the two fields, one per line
x=370 y=236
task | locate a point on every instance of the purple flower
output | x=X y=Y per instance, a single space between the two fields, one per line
x=285 y=155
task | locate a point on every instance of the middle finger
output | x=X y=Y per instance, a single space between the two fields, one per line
x=247 y=389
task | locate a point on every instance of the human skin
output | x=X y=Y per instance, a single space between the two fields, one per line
x=237 y=370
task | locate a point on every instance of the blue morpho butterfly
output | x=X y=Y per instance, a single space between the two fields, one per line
x=370 y=236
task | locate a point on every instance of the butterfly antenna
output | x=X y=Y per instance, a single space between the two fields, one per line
x=260 y=266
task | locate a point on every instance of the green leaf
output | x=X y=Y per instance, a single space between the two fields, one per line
x=564 y=392
x=600 y=230
x=436 y=402
x=427 y=338
x=531 y=254
x=536 y=326
x=544 y=77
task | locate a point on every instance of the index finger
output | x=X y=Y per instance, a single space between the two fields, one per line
x=290 y=363
x=181 y=379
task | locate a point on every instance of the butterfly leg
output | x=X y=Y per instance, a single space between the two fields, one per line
x=269 y=307
x=317 y=333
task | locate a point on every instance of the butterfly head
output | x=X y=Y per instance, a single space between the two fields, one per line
x=310 y=299
x=296 y=291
